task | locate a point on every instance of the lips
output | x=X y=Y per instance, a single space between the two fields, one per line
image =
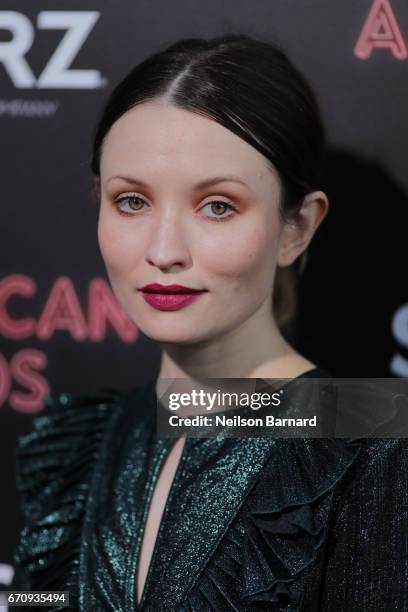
x=170 y=297
x=158 y=288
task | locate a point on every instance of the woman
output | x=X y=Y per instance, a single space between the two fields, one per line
x=206 y=163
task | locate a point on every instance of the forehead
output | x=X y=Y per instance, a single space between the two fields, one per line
x=158 y=136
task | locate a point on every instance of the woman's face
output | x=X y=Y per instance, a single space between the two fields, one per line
x=157 y=224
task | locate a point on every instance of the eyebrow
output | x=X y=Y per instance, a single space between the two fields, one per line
x=201 y=185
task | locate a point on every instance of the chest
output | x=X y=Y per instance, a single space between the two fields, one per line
x=155 y=512
x=156 y=515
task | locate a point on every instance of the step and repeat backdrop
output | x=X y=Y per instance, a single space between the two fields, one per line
x=60 y=326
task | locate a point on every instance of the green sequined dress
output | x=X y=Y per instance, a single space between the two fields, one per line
x=249 y=524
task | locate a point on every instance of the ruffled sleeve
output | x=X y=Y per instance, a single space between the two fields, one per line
x=367 y=566
x=326 y=525
x=54 y=466
x=271 y=556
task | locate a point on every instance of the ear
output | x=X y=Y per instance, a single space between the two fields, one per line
x=296 y=235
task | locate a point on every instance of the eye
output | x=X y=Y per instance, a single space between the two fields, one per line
x=132 y=203
x=129 y=204
x=218 y=207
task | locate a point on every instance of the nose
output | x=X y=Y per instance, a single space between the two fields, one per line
x=168 y=245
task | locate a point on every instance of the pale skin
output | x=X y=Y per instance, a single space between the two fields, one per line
x=170 y=234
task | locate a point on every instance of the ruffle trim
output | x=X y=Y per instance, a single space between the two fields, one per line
x=54 y=466
x=278 y=532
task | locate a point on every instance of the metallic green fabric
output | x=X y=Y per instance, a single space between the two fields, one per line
x=248 y=524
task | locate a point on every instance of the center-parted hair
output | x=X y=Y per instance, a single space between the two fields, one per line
x=251 y=88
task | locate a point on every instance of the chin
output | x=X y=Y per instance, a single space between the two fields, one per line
x=170 y=333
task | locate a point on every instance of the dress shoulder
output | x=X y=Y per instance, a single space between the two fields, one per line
x=55 y=463
x=369 y=540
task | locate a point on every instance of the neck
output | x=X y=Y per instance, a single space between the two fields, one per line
x=256 y=349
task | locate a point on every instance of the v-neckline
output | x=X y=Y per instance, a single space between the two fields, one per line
x=128 y=463
x=138 y=606
x=158 y=459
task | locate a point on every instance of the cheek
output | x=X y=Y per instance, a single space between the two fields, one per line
x=119 y=249
x=250 y=257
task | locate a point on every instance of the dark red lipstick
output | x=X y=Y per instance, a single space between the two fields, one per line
x=170 y=297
